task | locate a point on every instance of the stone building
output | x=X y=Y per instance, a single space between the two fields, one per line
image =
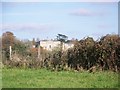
x=51 y=44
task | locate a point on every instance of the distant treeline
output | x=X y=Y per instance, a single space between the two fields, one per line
x=87 y=54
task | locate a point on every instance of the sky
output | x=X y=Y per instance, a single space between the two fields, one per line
x=44 y=20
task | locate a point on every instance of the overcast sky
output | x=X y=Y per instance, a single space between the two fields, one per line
x=43 y=20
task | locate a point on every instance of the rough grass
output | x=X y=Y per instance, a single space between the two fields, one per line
x=42 y=78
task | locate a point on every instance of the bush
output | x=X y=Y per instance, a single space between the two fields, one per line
x=104 y=54
x=86 y=54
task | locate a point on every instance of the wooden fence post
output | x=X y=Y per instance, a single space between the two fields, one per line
x=39 y=50
x=10 y=52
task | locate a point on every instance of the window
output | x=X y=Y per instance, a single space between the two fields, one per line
x=49 y=46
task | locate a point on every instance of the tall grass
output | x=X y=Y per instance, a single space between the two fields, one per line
x=42 y=78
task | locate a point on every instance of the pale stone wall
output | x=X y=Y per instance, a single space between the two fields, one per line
x=50 y=45
x=66 y=46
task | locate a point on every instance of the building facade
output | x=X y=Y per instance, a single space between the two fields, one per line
x=51 y=44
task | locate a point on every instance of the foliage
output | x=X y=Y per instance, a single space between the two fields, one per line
x=20 y=48
x=103 y=54
x=86 y=54
x=7 y=40
x=61 y=37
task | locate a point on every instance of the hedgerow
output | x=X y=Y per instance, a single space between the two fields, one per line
x=87 y=54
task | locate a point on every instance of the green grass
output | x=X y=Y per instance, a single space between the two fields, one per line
x=42 y=78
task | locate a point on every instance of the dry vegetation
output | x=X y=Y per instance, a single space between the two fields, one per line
x=86 y=54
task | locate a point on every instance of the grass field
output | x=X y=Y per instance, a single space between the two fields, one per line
x=42 y=78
